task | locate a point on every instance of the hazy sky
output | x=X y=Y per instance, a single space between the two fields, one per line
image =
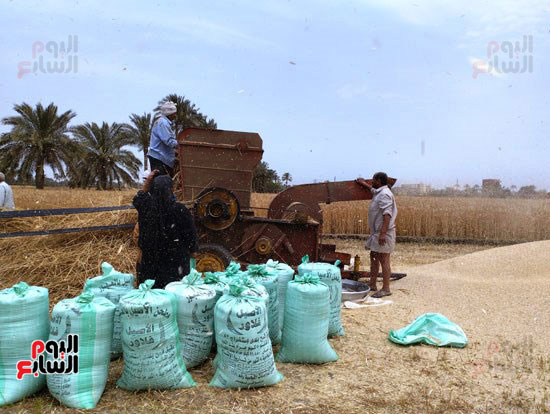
x=335 y=88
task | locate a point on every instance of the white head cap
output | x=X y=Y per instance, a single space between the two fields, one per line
x=168 y=108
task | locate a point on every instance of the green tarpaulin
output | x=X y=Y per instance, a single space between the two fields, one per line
x=432 y=329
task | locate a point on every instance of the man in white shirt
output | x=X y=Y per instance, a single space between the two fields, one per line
x=6 y=195
x=381 y=242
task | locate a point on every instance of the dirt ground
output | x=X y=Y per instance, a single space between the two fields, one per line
x=500 y=297
x=407 y=255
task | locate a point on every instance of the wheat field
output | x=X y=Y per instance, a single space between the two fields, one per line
x=454 y=218
x=488 y=219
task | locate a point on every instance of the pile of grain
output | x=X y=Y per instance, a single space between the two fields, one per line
x=502 y=291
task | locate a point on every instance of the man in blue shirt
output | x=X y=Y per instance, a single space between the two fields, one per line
x=163 y=142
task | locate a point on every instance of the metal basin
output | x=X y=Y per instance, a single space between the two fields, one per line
x=352 y=290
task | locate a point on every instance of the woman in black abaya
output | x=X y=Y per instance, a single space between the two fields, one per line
x=167 y=234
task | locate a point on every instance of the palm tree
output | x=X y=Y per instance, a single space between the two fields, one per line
x=286 y=178
x=103 y=158
x=188 y=114
x=38 y=138
x=140 y=131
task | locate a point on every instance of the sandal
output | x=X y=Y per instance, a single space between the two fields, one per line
x=381 y=294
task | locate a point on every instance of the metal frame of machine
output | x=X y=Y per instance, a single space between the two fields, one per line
x=216 y=171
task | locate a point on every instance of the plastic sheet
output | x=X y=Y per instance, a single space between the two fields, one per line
x=432 y=329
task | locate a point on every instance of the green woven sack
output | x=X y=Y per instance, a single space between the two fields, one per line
x=251 y=288
x=330 y=276
x=217 y=280
x=196 y=302
x=112 y=285
x=242 y=334
x=284 y=273
x=150 y=341
x=232 y=270
x=307 y=314
x=262 y=276
x=91 y=318
x=24 y=318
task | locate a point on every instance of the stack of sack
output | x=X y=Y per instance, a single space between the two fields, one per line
x=161 y=333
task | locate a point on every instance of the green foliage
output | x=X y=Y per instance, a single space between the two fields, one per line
x=527 y=191
x=187 y=115
x=38 y=138
x=265 y=179
x=287 y=179
x=140 y=132
x=101 y=159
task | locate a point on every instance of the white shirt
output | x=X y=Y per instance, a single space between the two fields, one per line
x=6 y=196
x=383 y=202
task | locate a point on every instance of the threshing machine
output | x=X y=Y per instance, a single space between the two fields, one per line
x=216 y=170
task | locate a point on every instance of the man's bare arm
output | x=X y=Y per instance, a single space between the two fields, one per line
x=364 y=183
x=149 y=180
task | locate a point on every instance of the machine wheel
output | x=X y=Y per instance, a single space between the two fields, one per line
x=217 y=208
x=212 y=258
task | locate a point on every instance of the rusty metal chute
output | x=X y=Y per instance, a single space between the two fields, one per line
x=306 y=198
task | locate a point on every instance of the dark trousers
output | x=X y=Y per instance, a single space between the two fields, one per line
x=159 y=165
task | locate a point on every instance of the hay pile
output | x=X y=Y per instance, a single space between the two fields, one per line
x=62 y=263
x=499 y=296
x=70 y=221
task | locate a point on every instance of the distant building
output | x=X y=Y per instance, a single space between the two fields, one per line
x=491 y=186
x=414 y=189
